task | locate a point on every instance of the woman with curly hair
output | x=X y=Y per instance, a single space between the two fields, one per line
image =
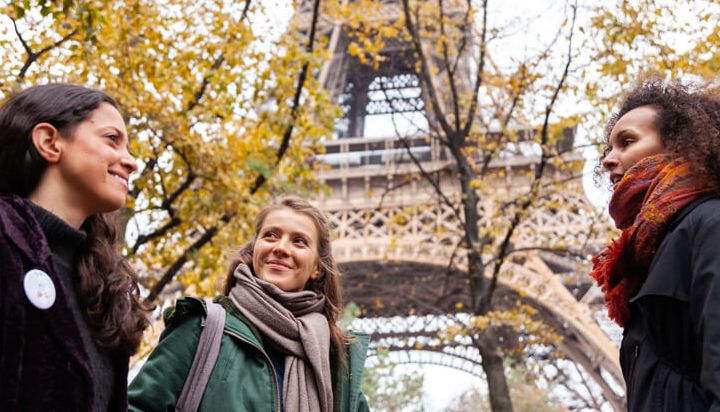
x=69 y=309
x=281 y=348
x=661 y=278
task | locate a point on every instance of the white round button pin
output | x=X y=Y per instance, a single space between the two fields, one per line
x=39 y=288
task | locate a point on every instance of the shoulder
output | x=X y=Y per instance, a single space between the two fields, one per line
x=15 y=207
x=357 y=350
x=22 y=241
x=191 y=310
x=694 y=225
x=20 y=228
x=358 y=341
x=16 y=218
x=183 y=310
x=701 y=225
x=704 y=212
x=692 y=239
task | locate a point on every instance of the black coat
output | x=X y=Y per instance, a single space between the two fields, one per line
x=43 y=363
x=670 y=353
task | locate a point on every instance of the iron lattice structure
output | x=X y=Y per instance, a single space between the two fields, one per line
x=399 y=246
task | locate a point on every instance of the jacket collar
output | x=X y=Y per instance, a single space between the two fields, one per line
x=358 y=354
x=689 y=208
x=19 y=225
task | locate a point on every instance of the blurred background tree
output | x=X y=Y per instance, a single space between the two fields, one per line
x=526 y=396
x=222 y=113
x=391 y=388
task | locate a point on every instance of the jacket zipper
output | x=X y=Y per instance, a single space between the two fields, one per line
x=636 y=351
x=269 y=362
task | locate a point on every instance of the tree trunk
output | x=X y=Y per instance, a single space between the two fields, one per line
x=494 y=368
x=492 y=359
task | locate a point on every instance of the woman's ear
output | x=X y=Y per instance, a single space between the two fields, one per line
x=316 y=272
x=46 y=139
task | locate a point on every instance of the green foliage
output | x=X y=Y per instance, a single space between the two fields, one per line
x=526 y=396
x=391 y=389
x=352 y=311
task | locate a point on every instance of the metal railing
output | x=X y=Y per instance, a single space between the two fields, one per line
x=380 y=152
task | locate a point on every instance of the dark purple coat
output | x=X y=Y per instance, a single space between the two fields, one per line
x=43 y=363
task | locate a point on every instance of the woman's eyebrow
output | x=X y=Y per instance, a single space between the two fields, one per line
x=114 y=129
x=293 y=232
x=111 y=127
x=629 y=132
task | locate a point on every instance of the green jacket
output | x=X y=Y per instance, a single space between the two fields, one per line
x=243 y=378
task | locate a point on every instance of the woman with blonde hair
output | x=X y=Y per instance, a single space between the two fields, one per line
x=281 y=347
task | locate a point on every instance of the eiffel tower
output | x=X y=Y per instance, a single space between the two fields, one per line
x=396 y=246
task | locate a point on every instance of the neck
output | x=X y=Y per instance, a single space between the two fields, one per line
x=52 y=199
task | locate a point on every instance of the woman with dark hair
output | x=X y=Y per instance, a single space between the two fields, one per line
x=68 y=302
x=281 y=348
x=661 y=278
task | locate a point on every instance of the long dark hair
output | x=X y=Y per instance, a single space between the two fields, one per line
x=327 y=283
x=106 y=285
x=688 y=119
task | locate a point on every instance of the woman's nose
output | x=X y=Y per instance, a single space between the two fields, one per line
x=610 y=162
x=129 y=163
x=281 y=247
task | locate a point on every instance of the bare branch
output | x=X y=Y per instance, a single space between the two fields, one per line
x=215 y=66
x=425 y=174
x=464 y=40
x=180 y=262
x=56 y=44
x=32 y=56
x=561 y=83
x=448 y=268
x=142 y=239
x=390 y=188
x=448 y=68
x=429 y=179
x=425 y=70
x=587 y=386
x=206 y=80
x=285 y=142
x=149 y=166
x=245 y=11
x=20 y=37
x=479 y=74
x=535 y=185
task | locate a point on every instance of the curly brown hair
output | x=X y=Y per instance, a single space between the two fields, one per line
x=106 y=285
x=688 y=119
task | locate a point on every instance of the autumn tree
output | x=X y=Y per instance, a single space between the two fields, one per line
x=671 y=39
x=223 y=113
x=486 y=100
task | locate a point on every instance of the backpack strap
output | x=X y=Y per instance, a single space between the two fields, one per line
x=203 y=363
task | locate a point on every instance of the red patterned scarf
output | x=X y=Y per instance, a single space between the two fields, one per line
x=644 y=201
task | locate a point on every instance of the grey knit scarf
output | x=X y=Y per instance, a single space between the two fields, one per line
x=293 y=323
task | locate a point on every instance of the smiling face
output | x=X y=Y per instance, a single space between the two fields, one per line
x=286 y=250
x=95 y=164
x=634 y=137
